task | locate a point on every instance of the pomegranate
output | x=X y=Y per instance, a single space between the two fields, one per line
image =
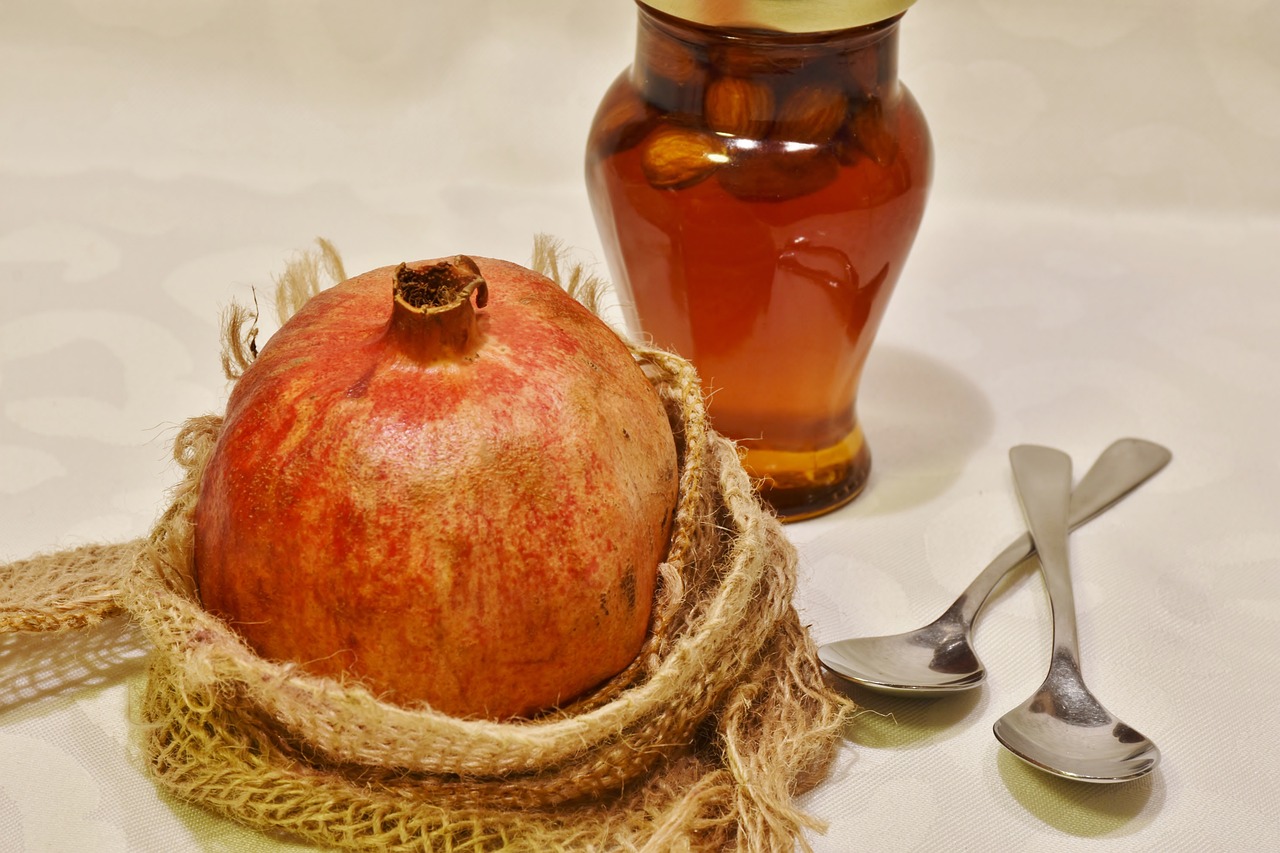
x=448 y=480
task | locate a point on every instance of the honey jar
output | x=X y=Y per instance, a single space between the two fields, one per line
x=758 y=176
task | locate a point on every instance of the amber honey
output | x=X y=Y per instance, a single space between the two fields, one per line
x=757 y=195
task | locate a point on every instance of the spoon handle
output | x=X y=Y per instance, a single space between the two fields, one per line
x=1042 y=477
x=1122 y=467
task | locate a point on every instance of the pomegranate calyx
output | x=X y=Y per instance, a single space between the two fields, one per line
x=432 y=316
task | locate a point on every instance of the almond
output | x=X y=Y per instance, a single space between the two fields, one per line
x=812 y=114
x=848 y=152
x=739 y=107
x=864 y=68
x=676 y=157
x=621 y=121
x=774 y=173
x=747 y=60
x=665 y=57
x=872 y=133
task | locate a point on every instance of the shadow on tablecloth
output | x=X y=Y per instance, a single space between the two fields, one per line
x=39 y=666
x=1081 y=808
x=923 y=420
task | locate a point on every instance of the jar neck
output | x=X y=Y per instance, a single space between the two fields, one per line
x=676 y=59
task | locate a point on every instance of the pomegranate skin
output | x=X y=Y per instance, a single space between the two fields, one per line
x=479 y=532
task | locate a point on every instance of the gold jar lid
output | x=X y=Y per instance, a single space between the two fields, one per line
x=791 y=16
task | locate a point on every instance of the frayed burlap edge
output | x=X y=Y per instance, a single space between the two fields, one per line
x=702 y=744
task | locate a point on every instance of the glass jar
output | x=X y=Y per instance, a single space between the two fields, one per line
x=758 y=179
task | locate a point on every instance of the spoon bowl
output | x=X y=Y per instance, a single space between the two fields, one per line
x=1062 y=729
x=939 y=658
x=930 y=661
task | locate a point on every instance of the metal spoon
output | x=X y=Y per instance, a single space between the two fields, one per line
x=939 y=658
x=1062 y=728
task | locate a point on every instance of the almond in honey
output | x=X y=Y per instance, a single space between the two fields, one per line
x=737 y=106
x=772 y=173
x=745 y=60
x=812 y=114
x=673 y=157
x=865 y=71
x=872 y=133
x=669 y=59
x=621 y=121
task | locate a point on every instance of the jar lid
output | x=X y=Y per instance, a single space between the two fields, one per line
x=791 y=16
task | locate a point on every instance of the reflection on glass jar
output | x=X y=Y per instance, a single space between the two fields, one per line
x=757 y=193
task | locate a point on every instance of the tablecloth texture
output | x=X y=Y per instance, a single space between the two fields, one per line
x=1099 y=260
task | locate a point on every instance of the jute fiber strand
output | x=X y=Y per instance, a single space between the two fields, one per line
x=701 y=744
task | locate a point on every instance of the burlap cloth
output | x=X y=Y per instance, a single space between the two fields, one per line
x=702 y=744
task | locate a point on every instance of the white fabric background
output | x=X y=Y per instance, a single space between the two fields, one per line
x=1099 y=260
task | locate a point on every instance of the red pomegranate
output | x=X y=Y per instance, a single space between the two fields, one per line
x=448 y=480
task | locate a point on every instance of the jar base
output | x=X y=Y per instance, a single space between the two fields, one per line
x=807 y=484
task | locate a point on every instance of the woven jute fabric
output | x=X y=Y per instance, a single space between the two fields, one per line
x=701 y=744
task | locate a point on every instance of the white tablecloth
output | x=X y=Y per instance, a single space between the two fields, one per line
x=1099 y=260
